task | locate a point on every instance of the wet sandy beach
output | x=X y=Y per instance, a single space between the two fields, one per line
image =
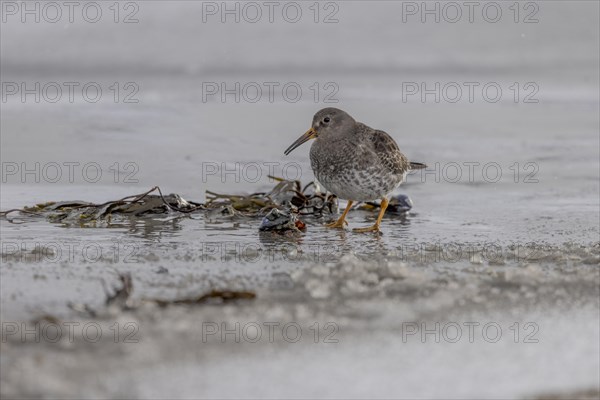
x=487 y=288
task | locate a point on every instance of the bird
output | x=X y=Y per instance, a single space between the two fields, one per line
x=354 y=161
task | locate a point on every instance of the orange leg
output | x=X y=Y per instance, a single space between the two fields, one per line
x=341 y=220
x=375 y=228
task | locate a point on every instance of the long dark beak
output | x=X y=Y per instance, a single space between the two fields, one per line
x=310 y=134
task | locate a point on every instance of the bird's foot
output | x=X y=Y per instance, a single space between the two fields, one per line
x=374 y=228
x=337 y=224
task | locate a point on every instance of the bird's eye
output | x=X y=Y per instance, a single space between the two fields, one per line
x=326 y=120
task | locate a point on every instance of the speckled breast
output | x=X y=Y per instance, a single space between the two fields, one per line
x=351 y=177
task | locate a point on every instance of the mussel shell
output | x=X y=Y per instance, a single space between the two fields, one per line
x=277 y=220
x=400 y=203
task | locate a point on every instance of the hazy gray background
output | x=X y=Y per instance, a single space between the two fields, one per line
x=368 y=54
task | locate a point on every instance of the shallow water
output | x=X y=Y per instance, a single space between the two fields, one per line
x=477 y=247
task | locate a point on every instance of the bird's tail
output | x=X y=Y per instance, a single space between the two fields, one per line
x=417 y=165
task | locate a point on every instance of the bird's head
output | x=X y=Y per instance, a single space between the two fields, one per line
x=326 y=122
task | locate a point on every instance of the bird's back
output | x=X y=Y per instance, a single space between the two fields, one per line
x=385 y=150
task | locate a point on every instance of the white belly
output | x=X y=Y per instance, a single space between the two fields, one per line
x=359 y=187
